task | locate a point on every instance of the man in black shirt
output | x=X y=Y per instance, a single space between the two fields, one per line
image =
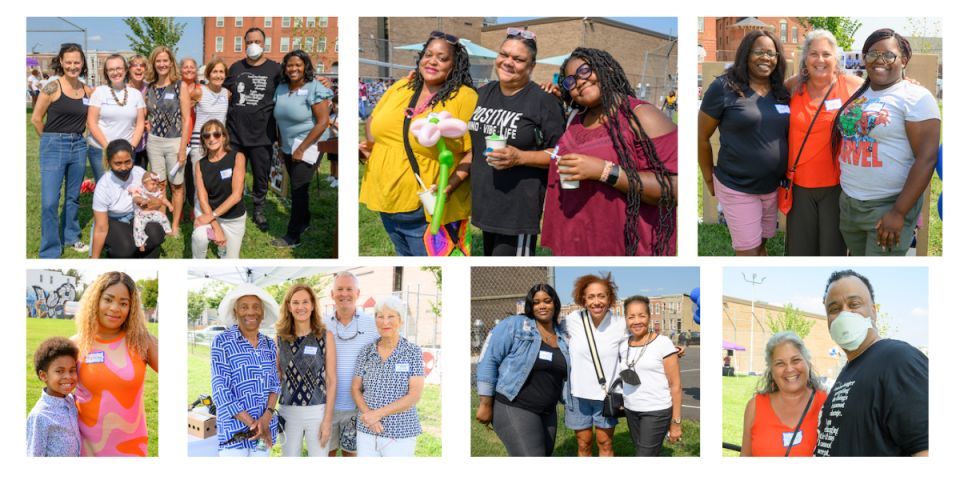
x=252 y=82
x=879 y=403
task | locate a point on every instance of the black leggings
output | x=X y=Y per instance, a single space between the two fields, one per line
x=119 y=241
x=499 y=245
x=258 y=159
x=301 y=173
x=648 y=429
x=524 y=433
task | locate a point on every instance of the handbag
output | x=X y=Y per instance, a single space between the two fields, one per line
x=785 y=191
x=612 y=401
x=797 y=429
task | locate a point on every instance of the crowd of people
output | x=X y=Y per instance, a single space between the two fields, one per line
x=198 y=139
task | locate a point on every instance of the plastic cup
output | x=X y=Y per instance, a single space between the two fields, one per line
x=429 y=200
x=494 y=142
x=567 y=184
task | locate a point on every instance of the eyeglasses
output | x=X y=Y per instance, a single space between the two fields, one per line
x=207 y=135
x=583 y=72
x=116 y=70
x=764 y=53
x=519 y=32
x=451 y=39
x=873 y=56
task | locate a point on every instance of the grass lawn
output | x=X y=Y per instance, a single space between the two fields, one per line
x=428 y=443
x=484 y=441
x=737 y=391
x=318 y=242
x=39 y=329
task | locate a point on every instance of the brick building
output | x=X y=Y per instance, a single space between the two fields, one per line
x=669 y=314
x=318 y=36
x=379 y=37
x=719 y=37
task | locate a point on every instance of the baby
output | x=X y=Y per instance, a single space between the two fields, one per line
x=149 y=189
x=52 y=428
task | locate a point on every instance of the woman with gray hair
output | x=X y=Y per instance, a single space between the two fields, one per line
x=387 y=385
x=781 y=419
x=810 y=199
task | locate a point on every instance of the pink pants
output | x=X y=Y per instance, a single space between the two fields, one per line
x=750 y=216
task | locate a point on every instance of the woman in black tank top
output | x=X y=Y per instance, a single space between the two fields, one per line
x=219 y=187
x=63 y=150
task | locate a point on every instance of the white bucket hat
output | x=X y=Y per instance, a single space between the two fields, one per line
x=271 y=311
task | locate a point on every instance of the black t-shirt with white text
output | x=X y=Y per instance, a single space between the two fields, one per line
x=250 y=116
x=878 y=406
x=510 y=202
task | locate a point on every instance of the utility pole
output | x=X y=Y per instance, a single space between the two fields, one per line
x=753 y=317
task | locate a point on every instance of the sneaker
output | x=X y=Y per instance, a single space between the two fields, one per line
x=284 y=242
x=80 y=247
x=260 y=221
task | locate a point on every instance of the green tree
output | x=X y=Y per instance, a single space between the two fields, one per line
x=925 y=33
x=148 y=33
x=149 y=290
x=791 y=319
x=436 y=307
x=196 y=304
x=844 y=28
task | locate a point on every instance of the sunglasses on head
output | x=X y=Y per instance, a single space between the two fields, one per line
x=214 y=134
x=583 y=72
x=451 y=39
x=522 y=33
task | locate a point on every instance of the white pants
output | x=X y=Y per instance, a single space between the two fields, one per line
x=375 y=446
x=243 y=452
x=303 y=423
x=233 y=229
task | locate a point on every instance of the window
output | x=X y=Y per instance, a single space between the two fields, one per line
x=319 y=67
x=323 y=22
x=267 y=22
x=297 y=43
x=268 y=44
x=793 y=34
x=322 y=45
x=219 y=47
x=783 y=31
x=308 y=44
x=311 y=21
x=297 y=22
x=284 y=44
x=237 y=44
x=220 y=21
x=284 y=22
x=237 y=21
x=337 y=46
x=700 y=24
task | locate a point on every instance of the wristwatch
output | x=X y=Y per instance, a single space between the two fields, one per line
x=675 y=420
x=613 y=176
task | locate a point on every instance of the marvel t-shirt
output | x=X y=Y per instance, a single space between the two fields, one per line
x=250 y=116
x=509 y=202
x=878 y=406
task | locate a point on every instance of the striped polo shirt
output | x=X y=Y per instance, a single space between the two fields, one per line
x=349 y=340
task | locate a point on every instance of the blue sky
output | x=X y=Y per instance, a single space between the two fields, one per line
x=901 y=292
x=667 y=25
x=903 y=26
x=105 y=33
x=649 y=281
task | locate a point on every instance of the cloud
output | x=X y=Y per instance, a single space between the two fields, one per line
x=809 y=304
x=95 y=38
x=919 y=312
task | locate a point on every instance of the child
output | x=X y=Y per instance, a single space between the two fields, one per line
x=52 y=429
x=149 y=189
x=334 y=133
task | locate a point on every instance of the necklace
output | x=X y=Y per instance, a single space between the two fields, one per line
x=630 y=363
x=113 y=92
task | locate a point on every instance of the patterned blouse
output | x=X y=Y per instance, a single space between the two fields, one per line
x=242 y=379
x=52 y=429
x=304 y=371
x=163 y=110
x=385 y=382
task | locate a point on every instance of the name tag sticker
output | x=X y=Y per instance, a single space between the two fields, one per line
x=833 y=104
x=310 y=350
x=873 y=107
x=86 y=101
x=94 y=357
x=226 y=173
x=783 y=109
x=301 y=92
x=788 y=435
x=168 y=96
x=548 y=356
x=526 y=327
x=402 y=368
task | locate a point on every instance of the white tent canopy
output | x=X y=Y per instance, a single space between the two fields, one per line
x=260 y=276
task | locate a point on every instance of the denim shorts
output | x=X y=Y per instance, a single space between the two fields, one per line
x=581 y=414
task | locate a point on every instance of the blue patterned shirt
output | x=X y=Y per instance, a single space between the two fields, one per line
x=52 y=429
x=242 y=377
x=386 y=382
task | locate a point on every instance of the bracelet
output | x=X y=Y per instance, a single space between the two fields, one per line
x=607 y=166
x=613 y=176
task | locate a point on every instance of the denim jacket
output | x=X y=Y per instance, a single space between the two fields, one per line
x=509 y=354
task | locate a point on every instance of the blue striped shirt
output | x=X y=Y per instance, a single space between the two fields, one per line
x=349 y=340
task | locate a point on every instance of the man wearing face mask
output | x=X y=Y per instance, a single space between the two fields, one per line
x=879 y=403
x=250 y=123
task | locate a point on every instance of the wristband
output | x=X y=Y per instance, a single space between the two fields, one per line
x=607 y=166
x=613 y=175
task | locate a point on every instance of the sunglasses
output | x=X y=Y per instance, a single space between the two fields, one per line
x=583 y=72
x=519 y=32
x=206 y=135
x=451 y=39
x=873 y=56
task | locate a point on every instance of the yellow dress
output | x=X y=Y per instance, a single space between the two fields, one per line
x=388 y=182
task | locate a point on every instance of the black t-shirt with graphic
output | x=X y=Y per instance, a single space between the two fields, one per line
x=878 y=406
x=250 y=116
x=510 y=202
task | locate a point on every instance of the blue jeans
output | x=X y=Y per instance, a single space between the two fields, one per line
x=95 y=156
x=406 y=231
x=62 y=159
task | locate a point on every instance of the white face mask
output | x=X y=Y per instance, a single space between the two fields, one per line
x=254 y=51
x=849 y=330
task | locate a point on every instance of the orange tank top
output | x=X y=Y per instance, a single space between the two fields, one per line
x=769 y=437
x=817 y=166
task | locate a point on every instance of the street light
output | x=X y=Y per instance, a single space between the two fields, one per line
x=753 y=284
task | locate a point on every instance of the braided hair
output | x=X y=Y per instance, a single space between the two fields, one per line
x=615 y=95
x=836 y=135
x=459 y=74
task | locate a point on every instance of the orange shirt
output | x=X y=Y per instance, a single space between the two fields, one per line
x=769 y=436
x=817 y=167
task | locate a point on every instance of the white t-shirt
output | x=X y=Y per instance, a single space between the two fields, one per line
x=653 y=393
x=876 y=156
x=116 y=121
x=583 y=377
x=111 y=194
x=34 y=82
